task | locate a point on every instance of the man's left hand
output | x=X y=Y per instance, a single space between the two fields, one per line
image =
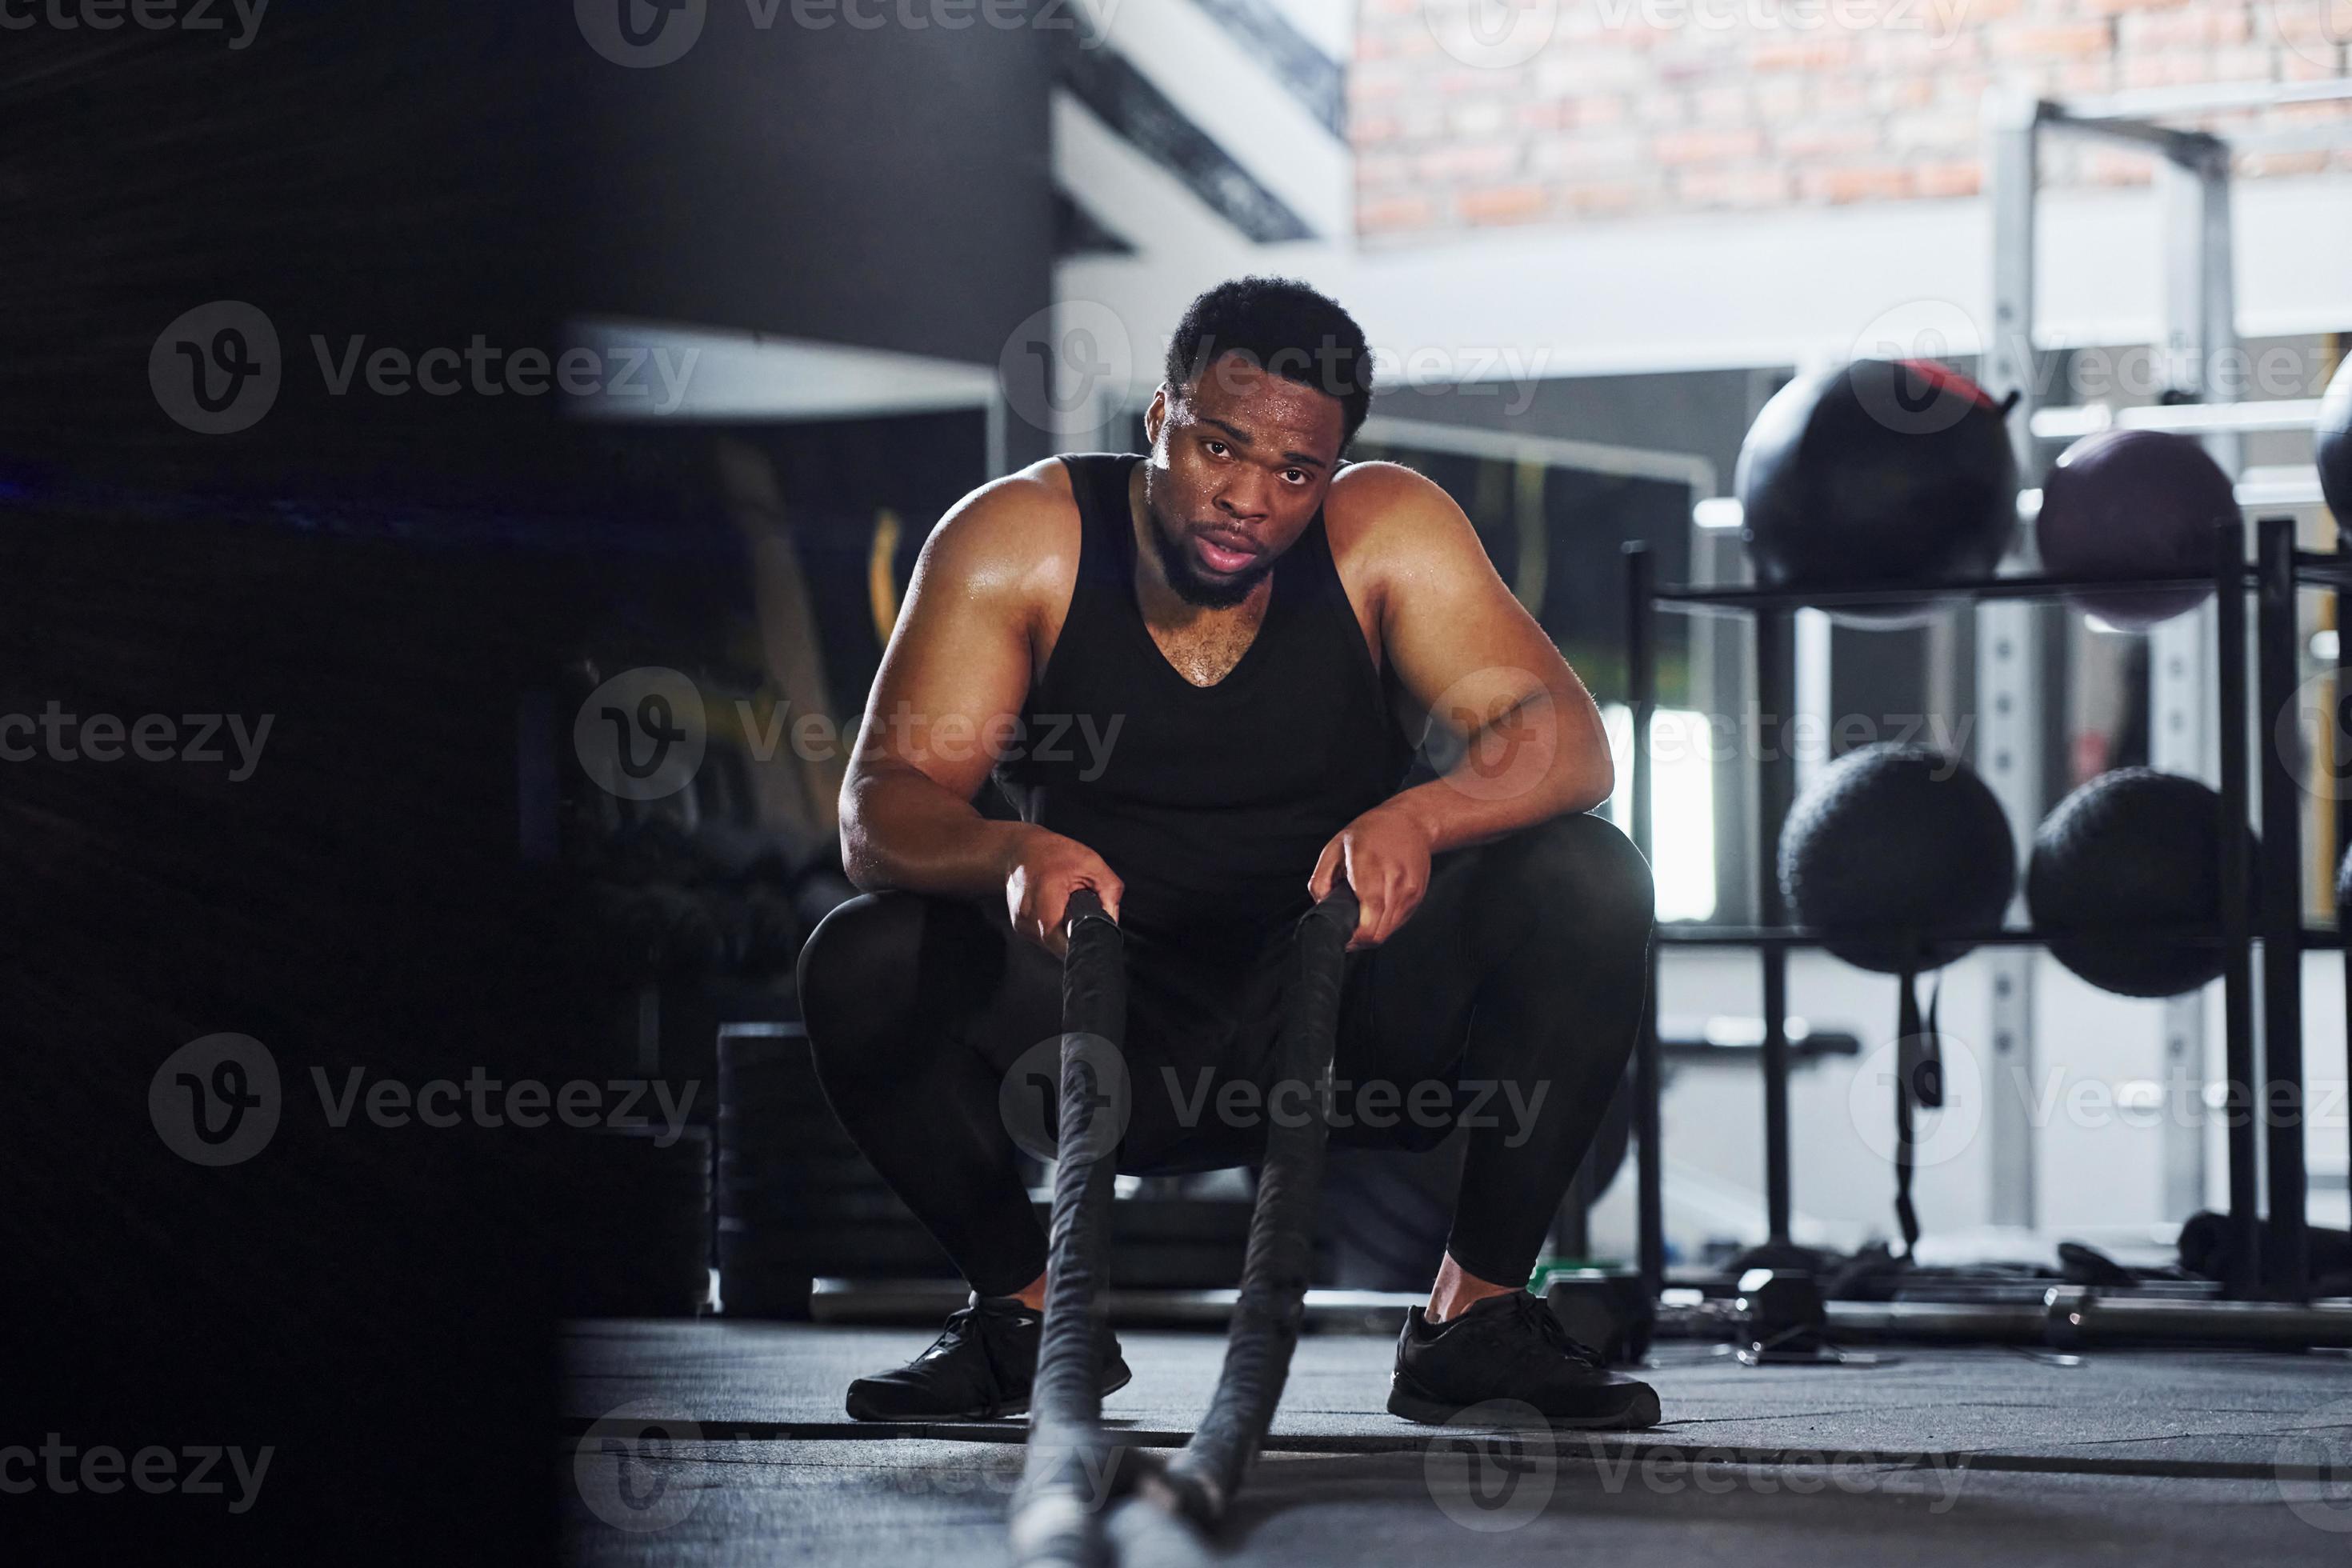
x=1385 y=855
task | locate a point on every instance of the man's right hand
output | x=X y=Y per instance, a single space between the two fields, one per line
x=1043 y=869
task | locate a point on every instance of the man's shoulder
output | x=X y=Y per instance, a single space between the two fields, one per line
x=1017 y=533
x=1380 y=480
x=1382 y=517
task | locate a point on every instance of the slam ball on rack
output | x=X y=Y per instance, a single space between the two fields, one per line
x=1893 y=851
x=2134 y=503
x=1882 y=472
x=2127 y=854
x=2332 y=443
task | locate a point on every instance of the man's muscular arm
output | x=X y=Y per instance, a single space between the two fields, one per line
x=1469 y=654
x=946 y=703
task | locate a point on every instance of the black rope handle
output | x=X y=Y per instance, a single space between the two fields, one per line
x=1058 y=1514
x=1058 y=1511
x=1205 y=1476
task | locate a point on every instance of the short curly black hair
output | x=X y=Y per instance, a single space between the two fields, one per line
x=1285 y=329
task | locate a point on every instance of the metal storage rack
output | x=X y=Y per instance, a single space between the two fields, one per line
x=2277 y=922
x=2199 y=327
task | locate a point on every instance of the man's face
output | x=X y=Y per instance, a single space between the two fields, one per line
x=1240 y=462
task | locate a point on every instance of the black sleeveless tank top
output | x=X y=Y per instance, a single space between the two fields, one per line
x=1211 y=803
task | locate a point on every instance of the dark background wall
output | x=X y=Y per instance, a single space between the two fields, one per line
x=422 y=174
x=890 y=188
x=392 y=582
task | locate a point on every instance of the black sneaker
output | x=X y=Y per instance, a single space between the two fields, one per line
x=979 y=1368
x=1511 y=1347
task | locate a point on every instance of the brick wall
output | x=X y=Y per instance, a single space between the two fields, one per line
x=1597 y=109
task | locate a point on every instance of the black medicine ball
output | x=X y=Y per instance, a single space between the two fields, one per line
x=2132 y=850
x=1886 y=471
x=2134 y=503
x=1894 y=850
x=2332 y=444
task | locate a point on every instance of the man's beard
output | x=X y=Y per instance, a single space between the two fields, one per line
x=1181 y=568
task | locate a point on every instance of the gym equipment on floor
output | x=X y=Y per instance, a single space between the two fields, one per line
x=1607 y=1308
x=1058 y=1513
x=796 y=1199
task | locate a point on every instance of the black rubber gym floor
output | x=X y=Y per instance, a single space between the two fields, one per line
x=1936 y=1456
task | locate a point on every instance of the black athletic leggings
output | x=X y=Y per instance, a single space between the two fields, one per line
x=1509 y=1001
